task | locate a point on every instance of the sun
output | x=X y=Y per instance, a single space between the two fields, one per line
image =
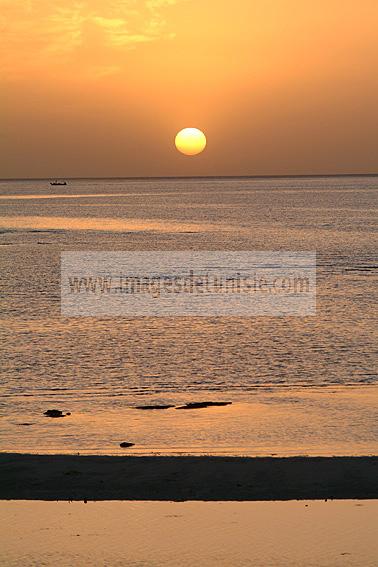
x=190 y=141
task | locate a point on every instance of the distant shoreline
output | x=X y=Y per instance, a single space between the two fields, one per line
x=157 y=177
x=73 y=477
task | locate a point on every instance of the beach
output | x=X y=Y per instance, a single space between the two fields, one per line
x=189 y=534
x=75 y=477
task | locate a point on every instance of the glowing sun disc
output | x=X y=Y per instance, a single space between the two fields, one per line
x=190 y=141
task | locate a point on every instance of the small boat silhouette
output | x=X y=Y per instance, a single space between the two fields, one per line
x=56 y=182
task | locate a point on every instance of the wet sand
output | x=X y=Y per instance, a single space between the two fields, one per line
x=74 y=477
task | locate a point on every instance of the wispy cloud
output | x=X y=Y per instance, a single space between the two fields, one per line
x=33 y=32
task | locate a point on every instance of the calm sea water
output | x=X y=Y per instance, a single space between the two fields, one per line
x=298 y=385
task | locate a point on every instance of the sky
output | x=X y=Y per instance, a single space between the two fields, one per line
x=97 y=88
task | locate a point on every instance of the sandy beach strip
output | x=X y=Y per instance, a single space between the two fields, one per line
x=71 y=477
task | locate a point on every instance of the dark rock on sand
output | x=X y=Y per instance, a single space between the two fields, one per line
x=24 y=423
x=126 y=444
x=198 y=405
x=54 y=413
x=154 y=407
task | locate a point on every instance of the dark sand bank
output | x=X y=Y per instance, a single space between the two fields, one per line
x=69 y=477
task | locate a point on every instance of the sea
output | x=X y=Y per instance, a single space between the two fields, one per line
x=299 y=384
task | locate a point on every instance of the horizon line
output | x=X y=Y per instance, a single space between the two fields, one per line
x=154 y=177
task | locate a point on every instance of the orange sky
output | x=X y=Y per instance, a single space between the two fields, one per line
x=101 y=87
